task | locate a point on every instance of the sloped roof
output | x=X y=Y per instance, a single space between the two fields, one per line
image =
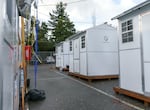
x=132 y=9
x=76 y=35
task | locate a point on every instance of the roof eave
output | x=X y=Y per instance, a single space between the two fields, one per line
x=77 y=34
x=131 y=10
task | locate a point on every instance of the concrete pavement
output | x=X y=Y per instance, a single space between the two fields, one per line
x=66 y=93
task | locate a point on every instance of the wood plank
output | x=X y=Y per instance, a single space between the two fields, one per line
x=90 y=78
x=57 y=68
x=65 y=69
x=132 y=94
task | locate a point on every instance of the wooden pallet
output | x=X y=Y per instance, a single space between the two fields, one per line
x=57 y=68
x=90 y=78
x=65 y=69
x=132 y=94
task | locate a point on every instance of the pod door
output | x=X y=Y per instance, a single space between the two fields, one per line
x=76 y=55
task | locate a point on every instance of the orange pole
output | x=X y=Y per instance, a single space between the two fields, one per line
x=23 y=60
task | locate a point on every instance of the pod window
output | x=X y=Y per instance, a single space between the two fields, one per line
x=127 y=31
x=70 y=45
x=83 y=42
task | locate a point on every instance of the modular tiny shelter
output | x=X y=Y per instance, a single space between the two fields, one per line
x=59 y=52
x=94 y=52
x=62 y=54
x=134 y=48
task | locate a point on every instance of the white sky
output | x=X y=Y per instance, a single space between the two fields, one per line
x=81 y=13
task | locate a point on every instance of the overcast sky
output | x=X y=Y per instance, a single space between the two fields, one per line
x=81 y=12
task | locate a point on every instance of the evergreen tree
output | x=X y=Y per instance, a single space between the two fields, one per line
x=43 y=43
x=60 y=24
x=42 y=31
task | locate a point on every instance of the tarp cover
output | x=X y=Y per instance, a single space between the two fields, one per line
x=24 y=7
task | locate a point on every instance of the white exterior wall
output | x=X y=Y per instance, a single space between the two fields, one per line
x=9 y=59
x=130 y=54
x=76 y=55
x=56 y=49
x=83 y=56
x=102 y=51
x=58 y=56
x=1 y=52
x=61 y=56
x=135 y=56
x=70 y=62
x=146 y=50
x=71 y=58
x=100 y=55
x=66 y=53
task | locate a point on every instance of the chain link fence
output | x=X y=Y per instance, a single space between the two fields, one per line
x=44 y=56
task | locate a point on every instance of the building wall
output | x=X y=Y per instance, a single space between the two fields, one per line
x=1 y=54
x=134 y=68
x=130 y=53
x=10 y=58
x=76 y=55
x=102 y=51
x=71 y=56
x=71 y=63
x=66 y=53
x=146 y=50
x=83 y=54
x=58 y=56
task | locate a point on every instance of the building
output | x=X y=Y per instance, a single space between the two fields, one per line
x=59 y=51
x=94 y=52
x=134 y=48
x=62 y=54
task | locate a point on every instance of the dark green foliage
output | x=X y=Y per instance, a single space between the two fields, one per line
x=60 y=24
x=43 y=43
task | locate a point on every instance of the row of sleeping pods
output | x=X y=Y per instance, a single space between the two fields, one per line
x=95 y=52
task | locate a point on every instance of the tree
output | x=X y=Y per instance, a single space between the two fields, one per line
x=43 y=43
x=42 y=31
x=60 y=24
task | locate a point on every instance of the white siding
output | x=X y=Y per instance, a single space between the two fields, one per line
x=83 y=63
x=76 y=48
x=76 y=66
x=65 y=53
x=130 y=69
x=66 y=60
x=71 y=63
x=102 y=50
x=102 y=64
x=58 y=56
x=76 y=55
x=146 y=50
x=102 y=39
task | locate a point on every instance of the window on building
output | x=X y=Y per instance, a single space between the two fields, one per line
x=62 y=48
x=83 y=42
x=70 y=45
x=127 y=31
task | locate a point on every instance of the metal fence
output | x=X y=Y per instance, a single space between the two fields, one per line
x=44 y=54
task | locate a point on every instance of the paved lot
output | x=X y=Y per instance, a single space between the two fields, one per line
x=67 y=93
